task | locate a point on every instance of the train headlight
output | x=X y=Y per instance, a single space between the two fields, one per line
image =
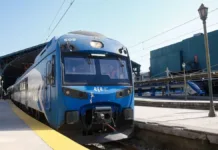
x=67 y=92
x=124 y=93
x=96 y=44
x=75 y=93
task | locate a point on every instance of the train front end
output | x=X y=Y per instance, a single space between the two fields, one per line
x=97 y=94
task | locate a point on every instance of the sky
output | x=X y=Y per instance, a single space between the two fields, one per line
x=25 y=23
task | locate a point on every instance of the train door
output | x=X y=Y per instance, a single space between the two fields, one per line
x=49 y=82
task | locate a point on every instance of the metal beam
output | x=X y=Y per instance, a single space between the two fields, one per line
x=197 y=76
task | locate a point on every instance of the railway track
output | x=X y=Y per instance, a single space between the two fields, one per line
x=128 y=144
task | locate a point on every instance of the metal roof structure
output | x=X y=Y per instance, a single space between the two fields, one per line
x=14 y=64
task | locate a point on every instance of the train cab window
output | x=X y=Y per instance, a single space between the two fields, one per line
x=48 y=72
x=79 y=66
x=53 y=69
x=113 y=68
x=80 y=70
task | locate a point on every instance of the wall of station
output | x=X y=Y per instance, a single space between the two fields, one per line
x=191 y=51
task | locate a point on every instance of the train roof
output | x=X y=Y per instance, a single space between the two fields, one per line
x=81 y=41
x=87 y=33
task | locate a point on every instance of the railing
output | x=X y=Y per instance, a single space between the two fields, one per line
x=191 y=76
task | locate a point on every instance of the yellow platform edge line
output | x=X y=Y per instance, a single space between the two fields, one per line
x=51 y=137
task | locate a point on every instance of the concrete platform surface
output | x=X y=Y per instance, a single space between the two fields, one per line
x=19 y=131
x=171 y=100
x=187 y=123
x=15 y=134
x=176 y=103
x=179 y=97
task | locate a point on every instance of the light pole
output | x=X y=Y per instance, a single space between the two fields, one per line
x=2 y=89
x=1 y=86
x=185 y=87
x=203 y=11
x=168 y=86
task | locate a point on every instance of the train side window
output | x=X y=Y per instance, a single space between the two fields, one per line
x=26 y=83
x=21 y=86
x=51 y=71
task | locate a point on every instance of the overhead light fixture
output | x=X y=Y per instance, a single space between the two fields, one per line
x=96 y=44
x=203 y=12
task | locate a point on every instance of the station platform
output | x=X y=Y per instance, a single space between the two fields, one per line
x=175 y=103
x=21 y=132
x=185 y=123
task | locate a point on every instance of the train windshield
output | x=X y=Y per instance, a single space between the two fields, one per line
x=96 y=71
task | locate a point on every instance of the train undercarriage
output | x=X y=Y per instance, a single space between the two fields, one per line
x=98 y=125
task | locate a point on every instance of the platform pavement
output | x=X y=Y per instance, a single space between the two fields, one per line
x=171 y=100
x=18 y=131
x=15 y=134
x=174 y=103
x=186 y=123
x=179 y=97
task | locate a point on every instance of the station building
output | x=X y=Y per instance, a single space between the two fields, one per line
x=190 y=50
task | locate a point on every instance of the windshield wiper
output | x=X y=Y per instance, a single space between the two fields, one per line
x=89 y=60
x=121 y=64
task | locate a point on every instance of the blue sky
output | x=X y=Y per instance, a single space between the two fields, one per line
x=25 y=23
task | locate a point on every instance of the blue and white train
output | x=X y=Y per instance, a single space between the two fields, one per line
x=175 y=89
x=81 y=83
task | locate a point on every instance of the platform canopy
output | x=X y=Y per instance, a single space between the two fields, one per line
x=13 y=65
